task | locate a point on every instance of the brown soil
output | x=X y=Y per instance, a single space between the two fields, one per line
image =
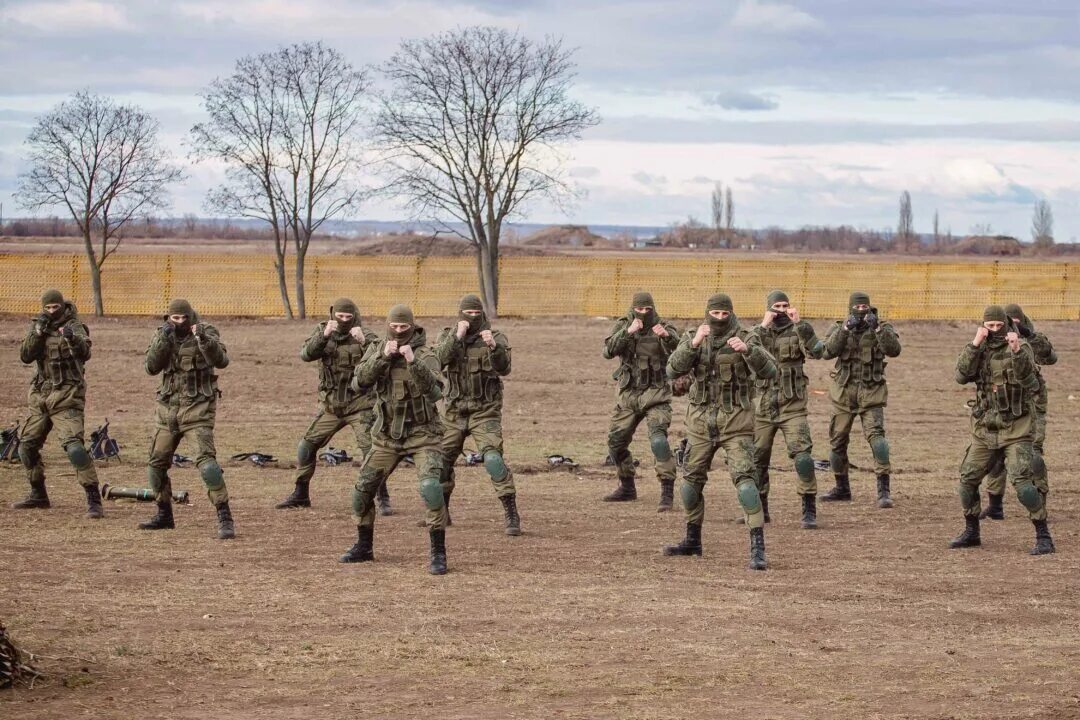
x=868 y=617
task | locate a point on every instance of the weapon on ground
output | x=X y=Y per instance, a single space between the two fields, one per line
x=258 y=458
x=141 y=494
x=333 y=456
x=103 y=447
x=9 y=443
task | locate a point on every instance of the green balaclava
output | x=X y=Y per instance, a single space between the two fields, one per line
x=1021 y=321
x=345 y=305
x=858 y=297
x=644 y=299
x=400 y=314
x=780 y=320
x=719 y=301
x=476 y=322
x=180 y=306
x=52 y=297
x=995 y=313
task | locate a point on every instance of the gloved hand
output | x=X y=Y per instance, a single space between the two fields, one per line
x=852 y=322
x=1024 y=330
x=168 y=329
x=67 y=332
x=871 y=320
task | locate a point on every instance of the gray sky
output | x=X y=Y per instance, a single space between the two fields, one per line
x=815 y=112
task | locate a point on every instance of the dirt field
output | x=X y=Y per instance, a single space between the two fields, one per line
x=581 y=617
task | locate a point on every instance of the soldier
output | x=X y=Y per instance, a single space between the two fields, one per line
x=725 y=361
x=186 y=351
x=59 y=344
x=1044 y=355
x=642 y=342
x=1003 y=416
x=781 y=400
x=405 y=376
x=860 y=345
x=474 y=359
x=338 y=344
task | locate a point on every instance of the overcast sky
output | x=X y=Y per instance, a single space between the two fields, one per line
x=815 y=112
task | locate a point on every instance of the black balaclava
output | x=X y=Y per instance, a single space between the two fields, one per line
x=345 y=305
x=476 y=323
x=997 y=314
x=644 y=299
x=858 y=297
x=719 y=301
x=400 y=314
x=1015 y=312
x=780 y=320
x=181 y=307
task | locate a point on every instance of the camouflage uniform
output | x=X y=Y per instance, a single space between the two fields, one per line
x=721 y=416
x=644 y=394
x=59 y=345
x=860 y=345
x=474 y=373
x=1044 y=355
x=186 y=407
x=781 y=404
x=1002 y=426
x=340 y=405
x=406 y=423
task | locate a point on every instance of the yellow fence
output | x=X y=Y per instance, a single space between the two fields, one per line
x=563 y=285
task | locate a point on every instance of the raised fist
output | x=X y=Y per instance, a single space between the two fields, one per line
x=357 y=334
x=659 y=331
x=700 y=335
x=852 y=322
x=767 y=320
x=488 y=338
x=330 y=329
x=196 y=331
x=1014 y=341
x=871 y=320
x=407 y=353
x=635 y=326
x=736 y=344
x=168 y=329
x=1024 y=330
x=391 y=348
x=67 y=332
x=462 y=328
x=794 y=315
x=980 y=336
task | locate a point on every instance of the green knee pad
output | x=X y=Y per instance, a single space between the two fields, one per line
x=305 y=453
x=77 y=456
x=879 y=446
x=969 y=496
x=837 y=462
x=691 y=495
x=804 y=465
x=29 y=455
x=661 y=449
x=212 y=476
x=431 y=491
x=493 y=463
x=1029 y=496
x=749 y=497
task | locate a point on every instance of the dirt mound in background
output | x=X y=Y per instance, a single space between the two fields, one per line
x=428 y=246
x=569 y=236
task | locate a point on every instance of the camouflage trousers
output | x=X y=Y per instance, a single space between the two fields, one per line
x=422 y=442
x=630 y=410
x=1018 y=457
x=485 y=426
x=171 y=427
x=873 y=425
x=322 y=429
x=68 y=423
x=739 y=452
x=797 y=438
x=995 y=479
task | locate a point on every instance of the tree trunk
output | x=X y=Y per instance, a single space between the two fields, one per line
x=489 y=280
x=95 y=270
x=279 y=266
x=301 y=301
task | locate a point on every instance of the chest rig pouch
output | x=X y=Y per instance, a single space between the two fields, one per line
x=790 y=381
x=59 y=366
x=997 y=390
x=644 y=366
x=339 y=360
x=404 y=402
x=861 y=360
x=473 y=377
x=189 y=376
x=723 y=380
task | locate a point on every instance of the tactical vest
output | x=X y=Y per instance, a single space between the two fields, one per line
x=339 y=360
x=188 y=376
x=58 y=366
x=861 y=359
x=643 y=366
x=472 y=376
x=723 y=380
x=790 y=380
x=997 y=389
x=403 y=403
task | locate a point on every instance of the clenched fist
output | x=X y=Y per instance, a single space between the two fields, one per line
x=700 y=335
x=391 y=348
x=488 y=338
x=793 y=314
x=659 y=330
x=407 y=353
x=1014 y=341
x=635 y=326
x=330 y=329
x=462 y=328
x=736 y=344
x=980 y=336
x=768 y=319
x=357 y=334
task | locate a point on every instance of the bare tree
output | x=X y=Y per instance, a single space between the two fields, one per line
x=729 y=216
x=103 y=163
x=937 y=229
x=1042 y=225
x=718 y=213
x=905 y=229
x=470 y=130
x=287 y=125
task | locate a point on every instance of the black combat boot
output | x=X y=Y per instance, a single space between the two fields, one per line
x=690 y=545
x=970 y=536
x=94 y=511
x=1044 y=544
x=298 y=499
x=994 y=508
x=667 y=495
x=842 y=491
x=225 y=529
x=626 y=491
x=364 y=548
x=510 y=511
x=37 y=498
x=438 y=552
x=382 y=498
x=757 y=549
x=884 y=500
x=163 y=520
x=809 y=512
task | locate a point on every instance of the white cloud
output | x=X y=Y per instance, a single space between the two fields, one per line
x=83 y=15
x=773 y=18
